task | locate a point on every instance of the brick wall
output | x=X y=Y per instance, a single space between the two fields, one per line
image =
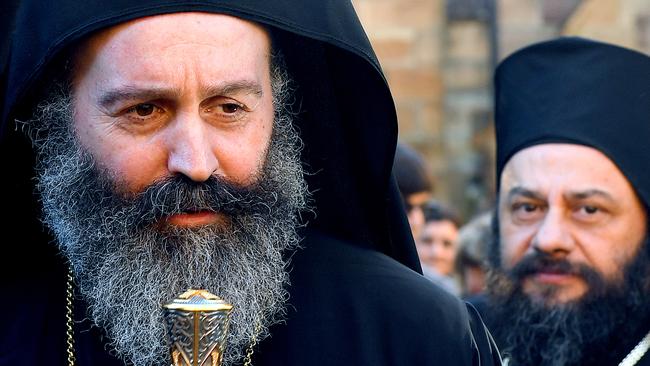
x=438 y=56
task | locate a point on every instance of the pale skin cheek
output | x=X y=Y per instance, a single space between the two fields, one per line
x=135 y=169
x=244 y=160
x=141 y=168
x=611 y=265
x=450 y=256
x=424 y=253
x=513 y=248
x=111 y=149
x=608 y=254
x=513 y=241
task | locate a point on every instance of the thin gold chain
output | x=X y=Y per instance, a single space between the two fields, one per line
x=249 y=351
x=69 y=323
x=70 y=330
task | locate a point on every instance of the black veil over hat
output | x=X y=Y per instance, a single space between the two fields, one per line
x=574 y=90
x=351 y=302
x=347 y=116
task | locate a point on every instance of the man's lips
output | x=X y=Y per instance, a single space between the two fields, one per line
x=552 y=278
x=194 y=219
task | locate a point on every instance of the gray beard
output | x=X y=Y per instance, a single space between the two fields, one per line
x=126 y=267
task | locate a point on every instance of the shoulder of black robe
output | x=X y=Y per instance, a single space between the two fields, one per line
x=348 y=124
x=366 y=309
x=479 y=302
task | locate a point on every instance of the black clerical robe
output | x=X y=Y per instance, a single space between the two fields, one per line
x=356 y=295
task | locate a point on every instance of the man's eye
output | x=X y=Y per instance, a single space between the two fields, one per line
x=590 y=213
x=231 y=108
x=226 y=111
x=525 y=207
x=590 y=209
x=143 y=109
x=527 y=211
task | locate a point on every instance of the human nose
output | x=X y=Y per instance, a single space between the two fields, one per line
x=190 y=150
x=553 y=236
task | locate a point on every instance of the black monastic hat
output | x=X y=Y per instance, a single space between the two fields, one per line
x=574 y=90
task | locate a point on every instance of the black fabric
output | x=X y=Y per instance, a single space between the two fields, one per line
x=418 y=317
x=7 y=16
x=368 y=289
x=598 y=97
x=402 y=319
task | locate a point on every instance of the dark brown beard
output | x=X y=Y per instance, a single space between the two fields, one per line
x=582 y=332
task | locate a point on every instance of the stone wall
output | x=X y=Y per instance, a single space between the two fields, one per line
x=438 y=72
x=438 y=57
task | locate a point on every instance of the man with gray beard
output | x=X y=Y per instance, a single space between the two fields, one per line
x=570 y=278
x=171 y=150
x=117 y=241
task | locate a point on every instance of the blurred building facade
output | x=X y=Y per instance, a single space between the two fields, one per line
x=439 y=55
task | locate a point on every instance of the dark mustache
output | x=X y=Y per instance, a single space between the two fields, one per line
x=179 y=194
x=542 y=262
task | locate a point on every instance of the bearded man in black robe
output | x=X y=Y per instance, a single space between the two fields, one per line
x=570 y=283
x=244 y=147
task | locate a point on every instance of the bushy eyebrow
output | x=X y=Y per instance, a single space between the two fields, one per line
x=581 y=195
x=571 y=195
x=525 y=192
x=109 y=98
x=233 y=88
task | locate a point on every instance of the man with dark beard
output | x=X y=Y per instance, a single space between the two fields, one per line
x=570 y=283
x=168 y=144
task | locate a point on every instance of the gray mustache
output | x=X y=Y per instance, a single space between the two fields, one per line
x=179 y=194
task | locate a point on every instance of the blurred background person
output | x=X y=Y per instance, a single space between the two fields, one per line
x=434 y=227
x=414 y=184
x=474 y=239
x=437 y=245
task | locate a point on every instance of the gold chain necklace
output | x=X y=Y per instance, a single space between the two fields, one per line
x=249 y=351
x=69 y=311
